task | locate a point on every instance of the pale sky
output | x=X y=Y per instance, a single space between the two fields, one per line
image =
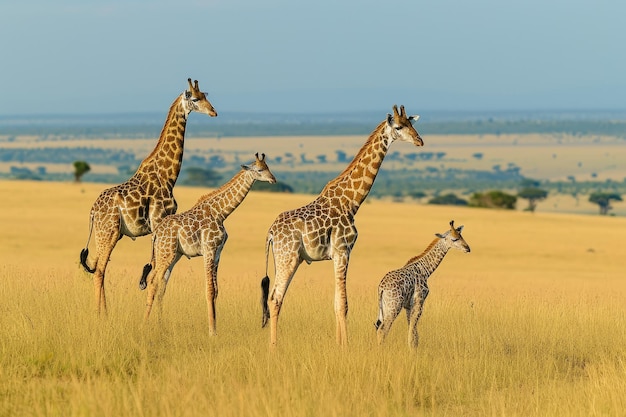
x=119 y=56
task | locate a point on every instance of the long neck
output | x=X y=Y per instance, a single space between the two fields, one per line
x=167 y=157
x=223 y=201
x=353 y=185
x=432 y=256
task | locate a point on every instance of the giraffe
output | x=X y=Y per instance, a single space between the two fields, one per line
x=407 y=287
x=135 y=207
x=199 y=231
x=324 y=229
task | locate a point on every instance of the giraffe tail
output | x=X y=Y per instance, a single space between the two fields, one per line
x=379 y=321
x=265 y=291
x=143 y=282
x=84 y=254
x=265 y=283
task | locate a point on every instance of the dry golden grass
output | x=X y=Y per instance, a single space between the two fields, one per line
x=531 y=323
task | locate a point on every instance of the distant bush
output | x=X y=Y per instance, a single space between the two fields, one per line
x=493 y=199
x=448 y=200
x=201 y=176
x=279 y=187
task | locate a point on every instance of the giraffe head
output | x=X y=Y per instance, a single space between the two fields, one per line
x=259 y=170
x=401 y=127
x=454 y=239
x=195 y=100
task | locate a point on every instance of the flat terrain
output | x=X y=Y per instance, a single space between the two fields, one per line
x=540 y=156
x=544 y=157
x=532 y=322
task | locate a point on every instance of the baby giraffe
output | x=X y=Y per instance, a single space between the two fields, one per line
x=408 y=286
x=199 y=231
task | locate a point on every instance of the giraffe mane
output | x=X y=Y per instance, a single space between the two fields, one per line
x=421 y=255
x=361 y=152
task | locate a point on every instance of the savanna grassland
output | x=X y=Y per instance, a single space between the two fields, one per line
x=532 y=322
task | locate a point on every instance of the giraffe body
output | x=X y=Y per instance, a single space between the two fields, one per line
x=324 y=229
x=199 y=231
x=407 y=287
x=135 y=207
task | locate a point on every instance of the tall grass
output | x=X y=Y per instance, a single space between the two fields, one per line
x=521 y=326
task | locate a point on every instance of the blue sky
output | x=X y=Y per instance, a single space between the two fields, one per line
x=86 y=56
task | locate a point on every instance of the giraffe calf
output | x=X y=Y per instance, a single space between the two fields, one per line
x=407 y=287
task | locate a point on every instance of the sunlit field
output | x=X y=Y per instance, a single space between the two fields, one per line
x=532 y=322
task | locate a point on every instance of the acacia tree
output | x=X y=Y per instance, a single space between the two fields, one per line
x=603 y=200
x=80 y=169
x=533 y=195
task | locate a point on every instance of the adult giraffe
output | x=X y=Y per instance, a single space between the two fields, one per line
x=324 y=229
x=135 y=207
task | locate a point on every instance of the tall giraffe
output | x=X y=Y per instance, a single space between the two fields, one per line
x=199 y=231
x=407 y=287
x=135 y=207
x=324 y=229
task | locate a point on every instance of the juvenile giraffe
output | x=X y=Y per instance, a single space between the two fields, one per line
x=324 y=229
x=199 y=231
x=135 y=207
x=407 y=287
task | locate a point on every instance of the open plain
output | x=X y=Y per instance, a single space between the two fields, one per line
x=532 y=322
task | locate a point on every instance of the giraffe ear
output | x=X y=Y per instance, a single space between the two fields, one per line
x=414 y=118
x=441 y=236
x=389 y=119
x=245 y=167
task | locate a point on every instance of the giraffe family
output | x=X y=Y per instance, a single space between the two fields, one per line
x=199 y=231
x=324 y=229
x=135 y=207
x=321 y=230
x=407 y=287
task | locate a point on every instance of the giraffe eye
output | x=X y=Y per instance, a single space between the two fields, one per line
x=398 y=127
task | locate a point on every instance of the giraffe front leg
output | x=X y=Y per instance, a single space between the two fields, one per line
x=414 y=315
x=210 y=266
x=341 y=298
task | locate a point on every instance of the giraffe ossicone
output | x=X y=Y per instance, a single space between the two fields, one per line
x=135 y=207
x=324 y=229
x=199 y=231
x=407 y=287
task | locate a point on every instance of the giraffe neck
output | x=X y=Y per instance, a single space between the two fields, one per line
x=167 y=157
x=432 y=256
x=353 y=185
x=223 y=201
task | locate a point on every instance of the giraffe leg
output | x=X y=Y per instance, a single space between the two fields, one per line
x=284 y=273
x=413 y=315
x=105 y=248
x=154 y=277
x=210 y=266
x=157 y=282
x=341 y=298
x=389 y=310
